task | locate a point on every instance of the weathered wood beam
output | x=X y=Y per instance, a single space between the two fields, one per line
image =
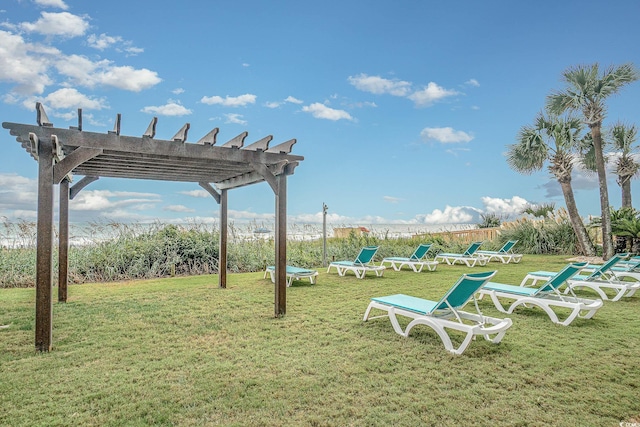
x=129 y=144
x=63 y=241
x=260 y=145
x=224 y=233
x=44 y=253
x=72 y=161
x=210 y=138
x=116 y=125
x=284 y=148
x=41 y=116
x=236 y=142
x=181 y=136
x=210 y=190
x=251 y=177
x=79 y=127
x=267 y=175
x=33 y=145
x=280 y=302
x=151 y=129
x=77 y=187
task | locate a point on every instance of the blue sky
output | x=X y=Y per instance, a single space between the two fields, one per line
x=402 y=109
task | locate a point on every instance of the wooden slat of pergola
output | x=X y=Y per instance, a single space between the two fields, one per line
x=62 y=153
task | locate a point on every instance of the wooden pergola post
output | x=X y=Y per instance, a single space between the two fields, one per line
x=281 y=246
x=44 y=253
x=224 y=232
x=63 y=241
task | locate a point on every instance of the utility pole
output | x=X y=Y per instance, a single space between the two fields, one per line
x=324 y=234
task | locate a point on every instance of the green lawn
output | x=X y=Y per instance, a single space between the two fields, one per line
x=182 y=352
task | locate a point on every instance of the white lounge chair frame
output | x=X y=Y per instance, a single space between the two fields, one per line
x=360 y=266
x=505 y=254
x=444 y=314
x=417 y=261
x=293 y=273
x=545 y=297
x=469 y=257
x=602 y=278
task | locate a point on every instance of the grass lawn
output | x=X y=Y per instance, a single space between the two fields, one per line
x=182 y=352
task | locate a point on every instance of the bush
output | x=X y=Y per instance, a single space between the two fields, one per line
x=137 y=252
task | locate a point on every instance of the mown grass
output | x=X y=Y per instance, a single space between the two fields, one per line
x=180 y=351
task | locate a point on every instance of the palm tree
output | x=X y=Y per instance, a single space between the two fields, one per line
x=627 y=167
x=555 y=140
x=587 y=91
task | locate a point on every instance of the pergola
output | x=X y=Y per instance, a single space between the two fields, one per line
x=62 y=153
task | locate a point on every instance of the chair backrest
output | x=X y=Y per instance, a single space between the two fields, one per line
x=606 y=266
x=507 y=246
x=556 y=281
x=634 y=263
x=462 y=291
x=472 y=248
x=366 y=254
x=420 y=252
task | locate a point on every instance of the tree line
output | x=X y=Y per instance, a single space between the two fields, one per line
x=570 y=130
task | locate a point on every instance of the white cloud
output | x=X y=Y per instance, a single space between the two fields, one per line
x=70 y=98
x=451 y=215
x=132 y=50
x=230 y=101
x=422 y=98
x=430 y=94
x=321 y=111
x=379 y=85
x=272 y=104
x=178 y=91
x=109 y=202
x=445 y=135
x=196 y=193
x=472 y=82
x=52 y=3
x=235 y=118
x=102 y=41
x=292 y=100
x=178 y=208
x=62 y=24
x=504 y=207
x=171 y=108
x=128 y=78
x=85 y=72
x=18 y=195
x=24 y=64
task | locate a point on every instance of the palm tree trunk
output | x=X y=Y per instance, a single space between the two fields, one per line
x=607 y=242
x=586 y=247
x=626 y=193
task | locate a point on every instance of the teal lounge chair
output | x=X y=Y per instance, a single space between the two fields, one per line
x=360 y=265
x=468 y=257
x=601 y=279
x=504 y=254
x=444 y=314
x=624 y=270
x=417 y=261
x=293 y=273
x=545 y=297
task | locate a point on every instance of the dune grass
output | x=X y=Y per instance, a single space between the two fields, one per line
x=180 y=351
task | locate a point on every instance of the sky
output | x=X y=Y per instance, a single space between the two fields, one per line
x=403 y=110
